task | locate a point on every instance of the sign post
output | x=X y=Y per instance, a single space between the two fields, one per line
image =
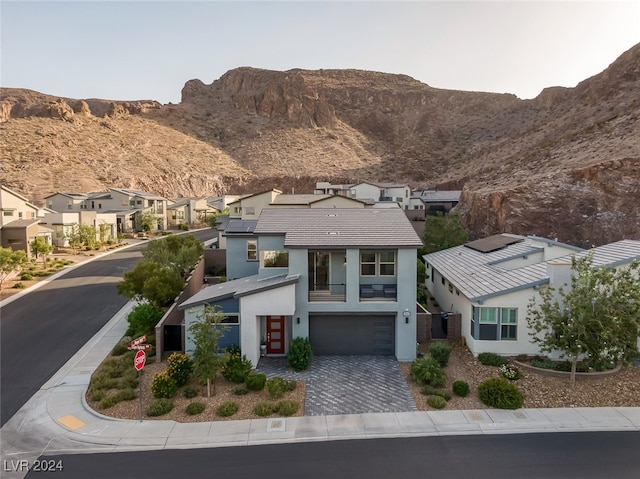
x=138 y=363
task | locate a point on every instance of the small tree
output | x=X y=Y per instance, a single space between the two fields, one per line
x=11 y=262
x=180 y=252
x=103 y=230
x=74 y=237
x=597 y=318
x=147 y=221
x=149 y=280
x=206 y=332
x=442 y=232
x=40 y=247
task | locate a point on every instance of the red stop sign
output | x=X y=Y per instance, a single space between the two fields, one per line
x=139 y=360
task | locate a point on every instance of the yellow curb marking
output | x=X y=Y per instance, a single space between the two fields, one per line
x=71 y=422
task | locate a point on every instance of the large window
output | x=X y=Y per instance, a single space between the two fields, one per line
x=377 y=263
x=496 y=324
x=252 y=250
x=275 y=259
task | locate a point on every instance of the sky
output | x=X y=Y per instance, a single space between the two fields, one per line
x=135 y=50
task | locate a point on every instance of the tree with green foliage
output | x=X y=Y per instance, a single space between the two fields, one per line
x=596 y=318
x=147 y=221
x=143 y=319
x=206 y=332
x=442 y=232
x=41 y=247
x=153 y=282
x=180 y=252
x=211 y=220
x=103 y=231
x=11 y=262
x=81 y=235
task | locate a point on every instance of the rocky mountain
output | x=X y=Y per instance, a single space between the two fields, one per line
x=564 y=165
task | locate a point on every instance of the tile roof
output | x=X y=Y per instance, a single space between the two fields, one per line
x=236 y=226
x=238 y=288
x=480 y=275
x=435 y=196
x=302 y=199
x=339 y=227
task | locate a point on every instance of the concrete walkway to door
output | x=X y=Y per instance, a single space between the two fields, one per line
x=347 y=384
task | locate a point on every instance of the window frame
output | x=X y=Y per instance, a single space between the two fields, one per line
x=276 y=255
x=254 y=251
x=377 y=263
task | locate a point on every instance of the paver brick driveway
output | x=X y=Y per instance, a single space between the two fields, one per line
x=347 y=384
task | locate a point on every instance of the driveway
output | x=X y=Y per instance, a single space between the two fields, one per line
x=347 y=384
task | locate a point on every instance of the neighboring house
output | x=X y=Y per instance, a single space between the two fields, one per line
x=249 y=207
x=128 y=205
x=19 y=224
x=344 y=278
x=189 y=211
x=220 y=203
x=241 y=248
x=317 y=201
x=61 y=225
x=440 y=201
x=381 y=195
x=490 y=282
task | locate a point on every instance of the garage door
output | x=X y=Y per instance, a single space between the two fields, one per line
x=348 y=335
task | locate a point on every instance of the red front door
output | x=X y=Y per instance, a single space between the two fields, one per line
x=275 y=334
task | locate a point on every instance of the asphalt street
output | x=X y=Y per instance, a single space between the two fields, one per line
x=40 y=331
x=583 y=455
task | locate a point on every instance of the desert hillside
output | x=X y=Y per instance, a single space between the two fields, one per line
x=564 y=165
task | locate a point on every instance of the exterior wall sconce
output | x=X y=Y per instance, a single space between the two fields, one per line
x=297 y=320
x=407 y=314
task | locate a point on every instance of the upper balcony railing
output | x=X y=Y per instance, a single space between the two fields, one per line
x=328 y=292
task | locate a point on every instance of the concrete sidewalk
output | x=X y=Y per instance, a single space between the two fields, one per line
x=57 y=420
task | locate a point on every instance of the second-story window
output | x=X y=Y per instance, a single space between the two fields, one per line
x=377 y=263
x=250 y=210
x=252 y=250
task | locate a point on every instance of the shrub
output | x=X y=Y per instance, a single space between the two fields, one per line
x=491 y=359
x=227 y=409
x=431 y=391
x=440 y=351
x=565 y=366
x=102 y=380
x=160 y=407
x=292 y=385
x=236 y=367
x=542 y=363
x=500 y=393
x=437 y=402
x=277 y=387
x=190 y=393
x=26 y=277
x=143 y=318
x=179 y=367
x=300 y=354
x=240 y=391
x=96 y=394
x=163 y=385
x=286 y=407
x=264 y=408
x=113 y=399
x=427 y=371
x=511 y=372
x=256 y=382
x=195 y=408
x=18 y=286
x=460 y=388
x=119 y=349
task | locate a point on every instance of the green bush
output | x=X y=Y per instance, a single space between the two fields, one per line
x=460 y=388
x=143 y=319
x=437 y=402
x=292 y=385
x=264 y=408
x=277 y=387
x=236 y=367
x=300 y=354
x=119 y=349
x=256 y=382
x=179 y=367
x=195 y=408
x=286 y=408
x=26 y=277
x=240 y=391
x=441 y=351
x=18 y=286
x=427 y=371
x=543 y=363
x=500 y=393
x=102 y=380
x=431 y=391
x=113 y=399
x=565 y=366
x=163 y=385
x=491 y=359
x=227 y=409
x=190 y=393
x=96 y=394
x=160 y=407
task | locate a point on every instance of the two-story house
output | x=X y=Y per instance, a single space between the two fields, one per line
x=19 y=224
x=344 y=278
x=380 y=195
x=490 y=282
x=189 y=211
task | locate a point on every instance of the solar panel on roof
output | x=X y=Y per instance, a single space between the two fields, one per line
x=492 y=243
